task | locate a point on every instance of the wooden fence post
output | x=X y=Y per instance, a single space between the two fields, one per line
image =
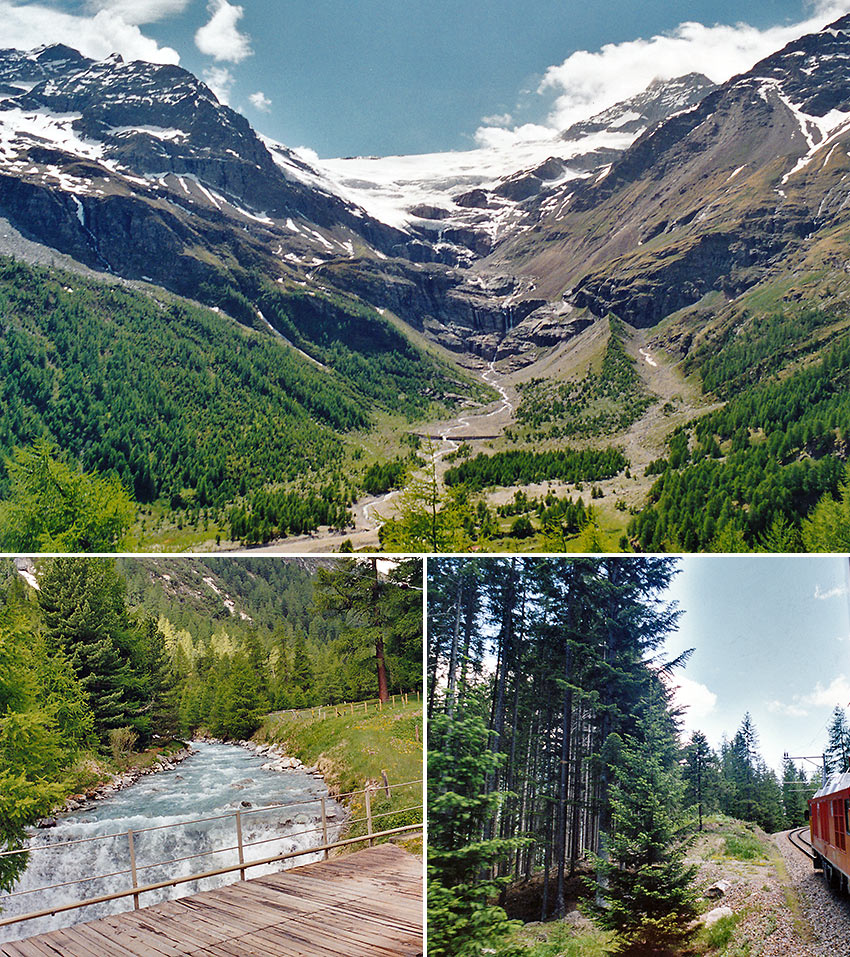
x=369 y=818
x=133 y=868
x=239 y=844
x=325 y=826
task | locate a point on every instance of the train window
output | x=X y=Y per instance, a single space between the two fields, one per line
x=838 y=824
x=847 y=815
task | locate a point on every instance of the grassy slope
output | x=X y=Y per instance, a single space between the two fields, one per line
x=353 y=748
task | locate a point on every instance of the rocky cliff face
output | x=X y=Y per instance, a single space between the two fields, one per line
x=126 y=166
x=714 y=199
x=684 y=190
x=136 y=169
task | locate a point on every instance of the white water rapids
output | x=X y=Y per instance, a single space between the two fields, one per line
x=213 y=783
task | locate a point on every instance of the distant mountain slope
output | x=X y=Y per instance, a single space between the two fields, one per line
x=716 y=198
x=136 y=169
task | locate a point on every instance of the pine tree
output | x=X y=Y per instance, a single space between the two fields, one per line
x=82 y=601
x=462 y=921
x=43 y=721
x=645 y=886
x=795 y=793
x=837 y=754
x=701 y=776
x=52 y=507
x=827 y=529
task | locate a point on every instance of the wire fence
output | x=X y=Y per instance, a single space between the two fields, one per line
x=347 y=707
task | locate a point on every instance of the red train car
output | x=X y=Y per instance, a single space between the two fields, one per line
x=829 y=824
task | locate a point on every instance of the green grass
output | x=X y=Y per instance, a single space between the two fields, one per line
x=564 y=939
x=352 y=749
x=744 y=847
x=720 y=934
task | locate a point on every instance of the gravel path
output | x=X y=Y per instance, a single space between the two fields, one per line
x=826 y=911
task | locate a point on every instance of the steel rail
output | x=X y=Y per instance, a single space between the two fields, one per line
x=796 y=839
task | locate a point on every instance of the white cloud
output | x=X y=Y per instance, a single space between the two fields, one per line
x=790 y=710
x=499 y=119
x=837 y=692
x=220 y=38
x=588 y=82
x=140 y=11
x=699 y=700
x=840 y=591
x=34 y=24
x=260 y=101
x=220 y=80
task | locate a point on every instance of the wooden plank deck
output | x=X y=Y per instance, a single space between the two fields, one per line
x=367 y=903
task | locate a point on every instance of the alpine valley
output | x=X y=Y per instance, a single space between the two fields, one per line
x=632 y=334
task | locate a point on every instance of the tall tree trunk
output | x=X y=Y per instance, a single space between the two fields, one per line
x=450 y=698
x=383 y=687
x=469 y=620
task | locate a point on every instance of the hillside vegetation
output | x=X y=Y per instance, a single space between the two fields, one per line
x=194 y=412
x=352 y=747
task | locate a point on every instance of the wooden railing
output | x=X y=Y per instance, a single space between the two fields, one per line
x=135 y=890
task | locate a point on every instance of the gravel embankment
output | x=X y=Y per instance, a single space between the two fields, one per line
x=826 y=911
x=766 y=924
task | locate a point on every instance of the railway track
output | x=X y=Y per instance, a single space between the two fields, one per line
x=803 y=844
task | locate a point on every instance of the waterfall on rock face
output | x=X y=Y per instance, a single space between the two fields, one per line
x=206 y=790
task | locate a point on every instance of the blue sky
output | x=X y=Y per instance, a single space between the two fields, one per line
x=771 y=636
x=361 y=77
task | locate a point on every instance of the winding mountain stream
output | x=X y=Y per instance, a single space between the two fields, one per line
x=186 y=815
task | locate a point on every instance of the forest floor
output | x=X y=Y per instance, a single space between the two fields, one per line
x=763 y=916
x=353 y=749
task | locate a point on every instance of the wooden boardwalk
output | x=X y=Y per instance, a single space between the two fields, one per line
x=367 y=903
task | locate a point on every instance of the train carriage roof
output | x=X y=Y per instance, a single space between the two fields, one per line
x=837 y=782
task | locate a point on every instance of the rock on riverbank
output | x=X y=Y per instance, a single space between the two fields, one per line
x=277 y=760
x=118 y=782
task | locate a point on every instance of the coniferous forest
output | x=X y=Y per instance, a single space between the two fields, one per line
x=107 y=656
x=557 y=767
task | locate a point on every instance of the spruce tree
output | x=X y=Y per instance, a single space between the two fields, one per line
x=837 y=754
x=462 y=920
x=82 y=601
x=701 y=776
x=644 y=887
